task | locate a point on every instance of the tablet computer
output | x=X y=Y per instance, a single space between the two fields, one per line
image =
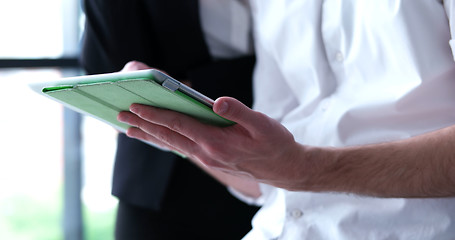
x=103 y=96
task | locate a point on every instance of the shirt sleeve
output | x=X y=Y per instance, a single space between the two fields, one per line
x=449 y=6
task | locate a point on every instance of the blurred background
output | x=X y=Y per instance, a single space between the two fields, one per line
x=55 y=165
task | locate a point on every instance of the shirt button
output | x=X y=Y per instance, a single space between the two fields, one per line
x=339 y=57
x=296 y=213
x=325 y=105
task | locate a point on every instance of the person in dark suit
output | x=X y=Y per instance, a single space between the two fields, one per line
x=162 y=196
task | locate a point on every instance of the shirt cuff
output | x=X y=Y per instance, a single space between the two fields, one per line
x=452 y=46
x=265 y=193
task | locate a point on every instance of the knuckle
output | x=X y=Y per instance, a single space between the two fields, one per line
x=162 y=135
x=215 y=149
x=175 y=124
x=208 y=162
x=141 y=125
x=211 y=148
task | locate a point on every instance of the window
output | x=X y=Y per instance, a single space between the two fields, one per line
x=40 y=41
x=39 y=29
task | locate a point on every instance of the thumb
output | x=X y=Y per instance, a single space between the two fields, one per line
x=234 y=110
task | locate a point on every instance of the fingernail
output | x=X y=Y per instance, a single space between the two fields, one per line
x=223 y=108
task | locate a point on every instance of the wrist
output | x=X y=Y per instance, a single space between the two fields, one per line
x=317 y=168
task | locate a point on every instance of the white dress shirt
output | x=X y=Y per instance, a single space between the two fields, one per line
x=351 y=72
x=226 y=26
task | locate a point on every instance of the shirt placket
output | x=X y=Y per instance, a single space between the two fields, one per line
x=333 y=37
x=333 y=42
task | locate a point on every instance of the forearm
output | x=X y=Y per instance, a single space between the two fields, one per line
x=421 y=166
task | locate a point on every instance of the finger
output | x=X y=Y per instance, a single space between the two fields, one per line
x=140 y=134
x=234 y=110
x=135 y=65
x=134 y=132
x=137 y=133
x=178 y=122
x=164 y=137
x=153 y=121
x=160 y=134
